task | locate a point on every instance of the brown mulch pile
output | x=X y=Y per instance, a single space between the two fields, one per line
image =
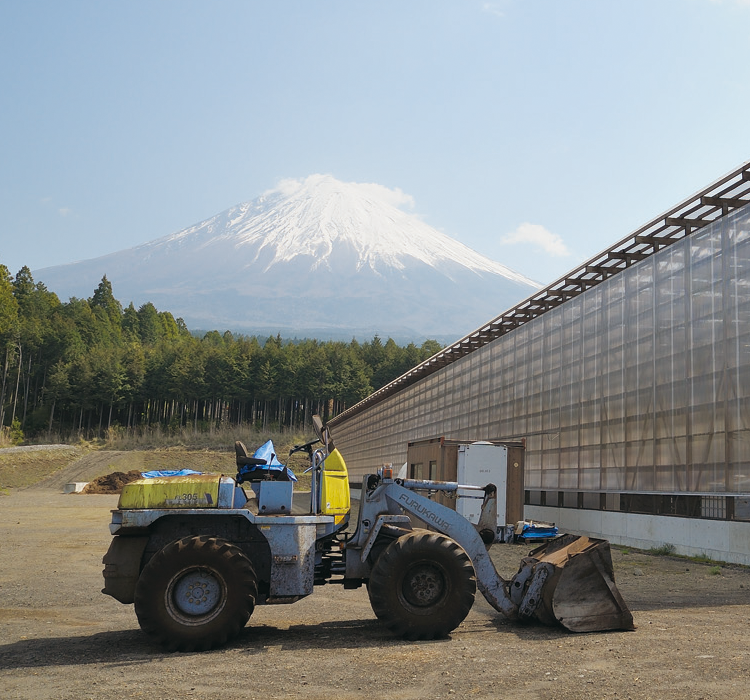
x=111 y=483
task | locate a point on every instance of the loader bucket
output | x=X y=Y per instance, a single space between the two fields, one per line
x=581 y=594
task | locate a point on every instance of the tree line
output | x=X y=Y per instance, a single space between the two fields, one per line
x=86 y=365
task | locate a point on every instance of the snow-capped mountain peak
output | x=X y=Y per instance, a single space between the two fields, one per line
x=310 y=256
x=318 y=215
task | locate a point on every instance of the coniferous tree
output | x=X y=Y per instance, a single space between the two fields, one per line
x=104 y=299
x=88 y=364
x=8 y=326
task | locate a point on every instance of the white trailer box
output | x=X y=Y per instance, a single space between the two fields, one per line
x=498 y=462
x=481 y=463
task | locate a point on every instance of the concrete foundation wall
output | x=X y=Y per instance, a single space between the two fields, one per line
x=720 y=540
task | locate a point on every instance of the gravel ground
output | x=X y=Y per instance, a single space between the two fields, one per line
x=38 y=448
x=61 y=638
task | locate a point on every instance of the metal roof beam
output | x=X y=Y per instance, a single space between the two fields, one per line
x=656 y=242
x=726 y=203
x=686 y=223
x=628 y=257
x=602 y=270
x=573 y=282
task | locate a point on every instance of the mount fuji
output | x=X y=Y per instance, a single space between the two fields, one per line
x=311 y=258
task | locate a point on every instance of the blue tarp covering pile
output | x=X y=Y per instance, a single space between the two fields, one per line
x=536 y=531
x=266 y=451
x=168 y=472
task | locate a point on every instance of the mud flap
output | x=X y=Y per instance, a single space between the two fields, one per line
x=580 y=594
x=122 y=567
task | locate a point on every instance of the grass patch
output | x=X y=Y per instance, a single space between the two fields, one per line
x=705 y=559
x=157 y=437
x=714 y=570
x=668 y=550
x=664 y=550
x=19 y=468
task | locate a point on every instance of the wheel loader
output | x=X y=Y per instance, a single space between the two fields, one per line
x=197 y=553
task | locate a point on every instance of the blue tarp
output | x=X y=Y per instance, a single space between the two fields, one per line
x=534 y=531
x=268 y=452
x=168 y=472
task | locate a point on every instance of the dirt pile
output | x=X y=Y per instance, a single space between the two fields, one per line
x=112 y=483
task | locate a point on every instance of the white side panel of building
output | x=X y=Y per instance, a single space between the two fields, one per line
x=716 y=539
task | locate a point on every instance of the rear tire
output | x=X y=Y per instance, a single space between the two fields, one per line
x=166 y=603
x=422 y=586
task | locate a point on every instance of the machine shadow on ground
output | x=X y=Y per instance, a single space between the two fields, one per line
x=128 y=647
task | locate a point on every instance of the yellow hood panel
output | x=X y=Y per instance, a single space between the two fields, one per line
x=193 y=491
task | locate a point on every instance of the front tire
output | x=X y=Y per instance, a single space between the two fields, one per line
x=422 y=586
x=196 y=594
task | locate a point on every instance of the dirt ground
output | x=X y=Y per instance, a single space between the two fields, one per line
x=61 y=638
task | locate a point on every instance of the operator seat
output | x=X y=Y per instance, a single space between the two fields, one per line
x=246 y=466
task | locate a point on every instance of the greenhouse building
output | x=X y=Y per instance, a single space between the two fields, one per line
x=628 y=380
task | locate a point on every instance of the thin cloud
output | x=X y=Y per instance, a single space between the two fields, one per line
x=537 y=237
x=395 y=197
x=493 y=8
x=48 y=203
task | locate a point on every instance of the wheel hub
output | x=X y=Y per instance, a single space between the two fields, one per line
x=423 y=586
x=196 y=592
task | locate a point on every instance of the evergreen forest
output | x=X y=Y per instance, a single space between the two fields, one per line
x=84 y=367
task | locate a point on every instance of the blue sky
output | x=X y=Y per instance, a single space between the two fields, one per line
x=536 y=132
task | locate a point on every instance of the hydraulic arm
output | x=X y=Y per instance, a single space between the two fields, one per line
x=569 y=581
